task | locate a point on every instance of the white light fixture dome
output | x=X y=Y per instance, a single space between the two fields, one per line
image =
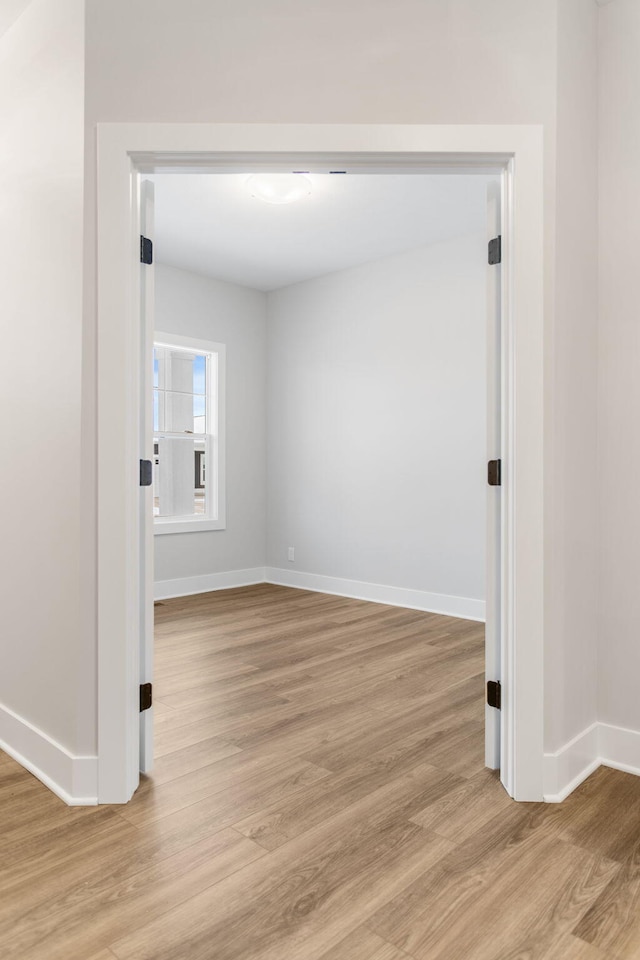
x=279 y=187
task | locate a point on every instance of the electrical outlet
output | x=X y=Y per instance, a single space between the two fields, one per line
x=291 y=557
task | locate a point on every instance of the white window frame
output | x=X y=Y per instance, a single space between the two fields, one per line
x=215 y=498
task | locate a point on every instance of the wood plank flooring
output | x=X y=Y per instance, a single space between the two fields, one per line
x=319 y=794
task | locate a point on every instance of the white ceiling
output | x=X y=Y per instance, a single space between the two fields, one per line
x=210 y=224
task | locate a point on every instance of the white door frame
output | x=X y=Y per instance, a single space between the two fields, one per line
x=124 y=150
x=494 y=499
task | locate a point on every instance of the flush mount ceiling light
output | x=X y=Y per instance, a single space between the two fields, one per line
x=279 y=187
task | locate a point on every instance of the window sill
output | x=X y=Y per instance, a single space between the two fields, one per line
x=200 y=525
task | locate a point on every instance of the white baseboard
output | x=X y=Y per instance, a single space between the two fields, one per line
x=186 y=586
x=565 y=769
x=74 y=779
x=463 y=607
x=601 y=744
x=619 y=748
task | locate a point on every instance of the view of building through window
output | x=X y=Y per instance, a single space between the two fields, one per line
x=182 y=381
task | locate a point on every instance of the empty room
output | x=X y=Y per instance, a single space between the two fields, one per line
x=347 y=446
x=320 y=369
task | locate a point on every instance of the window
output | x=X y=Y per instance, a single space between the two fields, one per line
x=188 y=435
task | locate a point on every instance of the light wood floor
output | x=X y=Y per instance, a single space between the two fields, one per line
x=319 y=795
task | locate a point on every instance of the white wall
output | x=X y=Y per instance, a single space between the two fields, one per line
x=48 y=678
x=619 y=367
x=10 y=10
x=377 y=421
x=571 y=402
x=198 y=306
x=366 y=61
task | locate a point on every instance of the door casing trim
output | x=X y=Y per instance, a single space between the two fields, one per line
x=514 y=152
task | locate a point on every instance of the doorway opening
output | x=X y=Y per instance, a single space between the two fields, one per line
x=500 y=166
x=360 y=320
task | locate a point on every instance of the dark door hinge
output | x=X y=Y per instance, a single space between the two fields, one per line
x=494 y=473
x=146 y=250
x=495 y=250
x=146 y=473
x=494 y=694
x=146 y=696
